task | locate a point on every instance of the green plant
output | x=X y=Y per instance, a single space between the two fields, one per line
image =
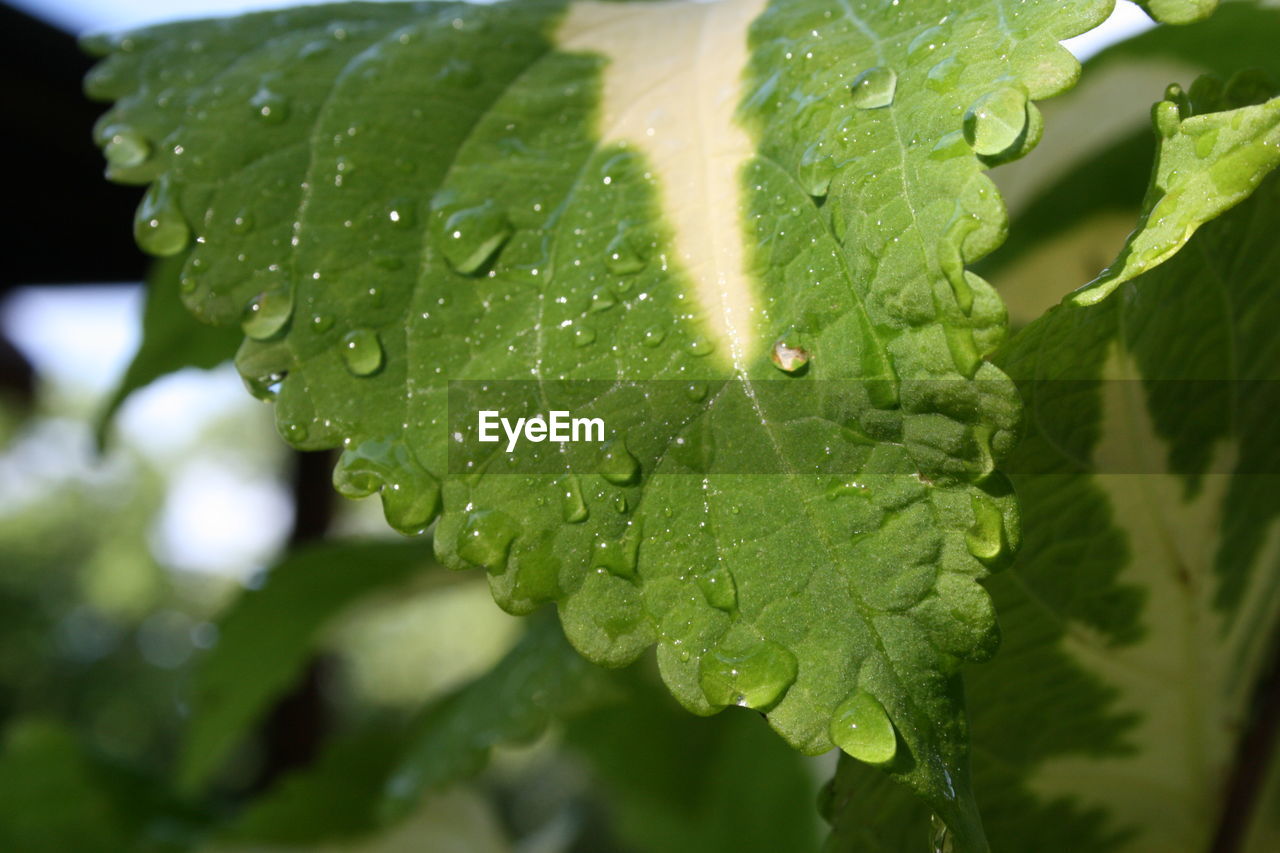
x=744 y=197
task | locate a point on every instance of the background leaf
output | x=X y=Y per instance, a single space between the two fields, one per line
x=269 y=633
x=1141 y=610
x=171 y=340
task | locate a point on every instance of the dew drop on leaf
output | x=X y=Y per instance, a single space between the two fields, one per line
x=816 y=171
x=473 y=235
x=583 y=336
x=654 y=336
x=485 y=539
x=700 y=345
x=573 y=508
x=267 y=313
x=159 y=226
x=622 y=256
x=400 y=212
x=996 y=121
x=942 y=78
x=696 y=391
x=754 y=677
x=294 y=432
x=410 y=495
x=940 y=836
x=618 y=556
x=949 y=146
x=127 y=148
x=266 y=387
x=986 y=539
x=788 y=356
x=874 y=88
x=602 y=299
x=1167 y=118
x=362 y=352
x=719 y=589
x=243 y=222
x=269 y=106
x=617 y=465
x=862 y=729
x=322 y=322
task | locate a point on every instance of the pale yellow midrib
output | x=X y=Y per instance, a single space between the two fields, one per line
x=675 y=68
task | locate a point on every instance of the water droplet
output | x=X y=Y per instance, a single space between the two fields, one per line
x=573 y=507
x=473 y=235
x=619 y=556
x=485 y=539
x=321 y=323
x=943 y=77
x=126 y=148
x=159 y=226
x=410 y=495
x=788 y=356
x=269 y=106
x=951 y=259
x=874 y=88
x=755 y=676
x=243 y=222
x=719 y=589
x=624 y=255
x=862 y=729
x=996 y=121
x=925 y=44
x=617 y=465
x=1167 y=118
x=602 y=299
x=1206 y=142
x=267 y=313
x=295 y=433
x=696 y=391
x=700 y=345
x=400 y=212
x=949 y=146
x=362 y=352
x=940 y=835
x=266 y=387
x=987 y=539
x=816 y=171
x=620 y=504
x=583 y=336
x=654 y=336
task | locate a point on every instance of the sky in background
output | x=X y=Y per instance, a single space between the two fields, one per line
x=220 y=516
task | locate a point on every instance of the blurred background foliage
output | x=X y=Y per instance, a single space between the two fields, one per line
x=344 y=692
x=203 y=648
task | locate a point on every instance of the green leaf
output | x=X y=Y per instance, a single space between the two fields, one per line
x=422 y=193
x=59 y=796
x=334 y=798
x=1178 y=11
x=171 y=341
x=674 y=783
x=541 y=680
x=1142 y=607
x=1101 y=162
x=269 y=633
x=1207 y=162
